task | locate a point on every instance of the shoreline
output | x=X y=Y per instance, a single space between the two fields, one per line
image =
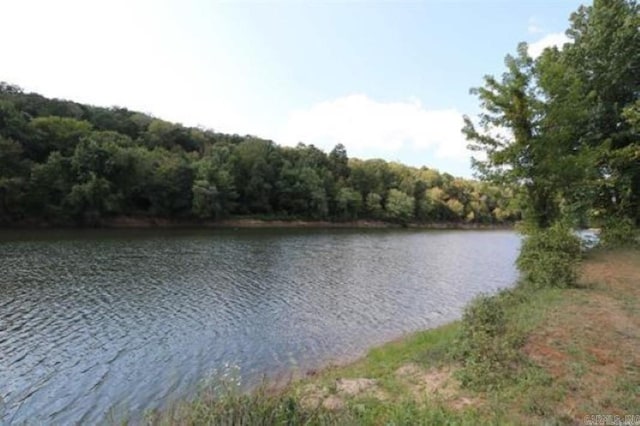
x=132 y=222
x=578 y=357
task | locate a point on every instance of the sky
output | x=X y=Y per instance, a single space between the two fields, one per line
x=388 y=79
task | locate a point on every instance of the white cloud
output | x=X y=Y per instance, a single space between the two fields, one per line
x=369 y=128
x=553 y=39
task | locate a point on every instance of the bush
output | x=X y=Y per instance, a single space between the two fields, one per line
x=487 y=348
x=618 y=232
x=549 y=257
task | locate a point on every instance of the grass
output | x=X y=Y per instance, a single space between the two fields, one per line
x=578 y=354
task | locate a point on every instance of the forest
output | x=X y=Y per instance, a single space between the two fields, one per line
x=65 y=163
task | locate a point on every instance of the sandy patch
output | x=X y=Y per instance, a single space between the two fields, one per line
x=438 y=383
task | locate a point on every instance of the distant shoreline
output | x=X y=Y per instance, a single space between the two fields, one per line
x=131 y=222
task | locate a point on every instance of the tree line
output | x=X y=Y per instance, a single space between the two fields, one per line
x=63 y=162
x=563 y=129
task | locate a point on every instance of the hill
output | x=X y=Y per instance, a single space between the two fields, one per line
x=66 y=163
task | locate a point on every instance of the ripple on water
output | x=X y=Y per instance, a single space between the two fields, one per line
x=96 y=324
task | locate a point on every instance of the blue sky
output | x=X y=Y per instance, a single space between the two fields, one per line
x=387 y=79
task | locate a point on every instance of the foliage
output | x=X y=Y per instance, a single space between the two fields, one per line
x=399 y=205
x=550 y=257
x=618 y=233
x=605 y=55
x=563 y=128
x=487 y=347
x=67 y=163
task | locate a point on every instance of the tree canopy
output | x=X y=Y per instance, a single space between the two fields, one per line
x=562 y=129
x=62 y=162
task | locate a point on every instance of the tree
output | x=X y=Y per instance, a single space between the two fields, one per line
x=214 y=193
x=49 y=185
x=339 y=162
x=605 y=56
x=514 y=135
x=91 y=199
x=13 y=173
x=64 y=162
x=255 y=168
x=58 y=134
x=399 y=205
x=349 y=203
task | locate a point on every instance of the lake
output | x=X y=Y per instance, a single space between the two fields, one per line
x=94 y=324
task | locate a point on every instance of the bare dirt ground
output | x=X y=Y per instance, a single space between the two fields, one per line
x=590 y=343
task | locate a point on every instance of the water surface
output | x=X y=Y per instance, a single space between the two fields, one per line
x=100 y=322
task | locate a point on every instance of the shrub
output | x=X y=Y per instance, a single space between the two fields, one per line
x=618 y=232
x=486 y=347
x=549 y=257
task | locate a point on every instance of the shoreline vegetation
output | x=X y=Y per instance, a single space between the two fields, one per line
x=128 y=222
x=573 y=353
x=69 y=164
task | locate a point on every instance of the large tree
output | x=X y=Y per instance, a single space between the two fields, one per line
x=508 y=133
x=605 y=57
x=561 y=127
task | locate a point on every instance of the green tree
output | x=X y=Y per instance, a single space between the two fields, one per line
x=49 y=185
x=91 y=199
x=511 y=134
x=605 y=56
x=60 y=134
x=62 y=161
x=214 y=192
x=255 y=168
x=13 y=173
x=399 y=205
x=374 y=205
x=349 y=203
x=339 y=162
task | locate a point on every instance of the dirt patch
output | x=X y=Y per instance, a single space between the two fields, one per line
x=421 y=382
x=333 y=403
x=438 y=383
x=592 y=340
x=314 y=395
x=423 y=385
x=353 y=387
x=617 y=270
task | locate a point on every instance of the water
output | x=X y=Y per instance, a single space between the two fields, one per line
x=100 y=323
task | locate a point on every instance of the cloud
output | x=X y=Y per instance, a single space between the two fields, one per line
x=369 y=128
x=553 y=39
x=534 y=27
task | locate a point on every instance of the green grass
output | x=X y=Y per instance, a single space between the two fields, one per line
x=555 y=378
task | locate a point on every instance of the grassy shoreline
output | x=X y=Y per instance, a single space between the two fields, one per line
x=578 y=351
